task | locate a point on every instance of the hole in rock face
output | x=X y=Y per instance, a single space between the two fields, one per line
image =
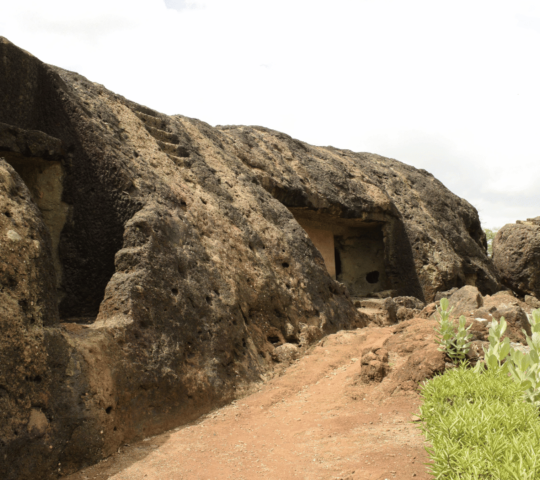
x=174 y=291
x=274 y=340
x=372 y=277
x=12 y=282
x=285 y=265
x=182 y=152
x=108 y=410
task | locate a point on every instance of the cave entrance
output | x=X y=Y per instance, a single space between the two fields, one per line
x=353 y=250
x=44 y=181
x=359 y=258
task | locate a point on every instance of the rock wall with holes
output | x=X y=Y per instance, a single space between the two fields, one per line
x=153 y=267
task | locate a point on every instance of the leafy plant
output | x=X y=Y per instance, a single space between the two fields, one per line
x=525 y=367
x=476 y=420
x=455 y=343
x=490 y=235
x=497 y=351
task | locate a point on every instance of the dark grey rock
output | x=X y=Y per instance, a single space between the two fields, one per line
x=516 y=255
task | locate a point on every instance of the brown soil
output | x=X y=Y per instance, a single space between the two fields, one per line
x=317 y=420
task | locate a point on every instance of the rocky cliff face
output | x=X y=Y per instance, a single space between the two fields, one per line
x=516 y=255
x=152 y=266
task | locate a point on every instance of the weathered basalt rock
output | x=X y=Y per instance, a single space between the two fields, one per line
x=408 y=307
x=154 y=267
x=374 y=365
x=465 y=300
x=480 y=311
x=516 y=255
x=532 y=301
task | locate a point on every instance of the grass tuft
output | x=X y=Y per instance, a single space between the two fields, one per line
x=479 y=427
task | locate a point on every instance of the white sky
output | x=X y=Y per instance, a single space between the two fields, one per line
x=450 y=86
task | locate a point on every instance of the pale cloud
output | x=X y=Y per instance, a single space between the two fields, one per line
x=451 y=87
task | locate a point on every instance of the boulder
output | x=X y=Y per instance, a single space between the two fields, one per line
x=377 y=311
x=429 y=311
x=411 y=303
x=416 y=354
x=532 y=301
x=374 y=365
x=408 y=307
x=514 y=316
x=152 y=265
x=285 y=353
x=516 y=255
x=465 y=300
x=440 y=295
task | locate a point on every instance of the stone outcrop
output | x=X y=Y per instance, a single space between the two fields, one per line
x=516 y=255
x=388 y=311
x=401 y=357
x=465 y=300
x=480 y=311
x=153 y=267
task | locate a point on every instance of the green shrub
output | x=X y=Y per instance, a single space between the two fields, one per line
x=490 y=235
x=497 y=352
x=525 y=367
x=455 y=343
x=479 y=427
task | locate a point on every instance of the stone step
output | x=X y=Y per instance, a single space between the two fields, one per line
x=172 y=149
x=180 y=161
x=162 y=135
x=150 y=120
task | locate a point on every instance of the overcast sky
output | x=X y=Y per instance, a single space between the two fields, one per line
x=451 y=86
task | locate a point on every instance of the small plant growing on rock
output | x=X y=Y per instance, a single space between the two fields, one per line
x=455 y=343
x=525 y=367
x=495 y=355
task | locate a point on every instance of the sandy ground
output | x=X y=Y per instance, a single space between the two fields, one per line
x=314 y=421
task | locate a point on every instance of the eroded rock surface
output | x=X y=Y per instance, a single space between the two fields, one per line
x=401 y=357
x=516 y=255
x=154 y=267
x=465 y=300
x=480 y=311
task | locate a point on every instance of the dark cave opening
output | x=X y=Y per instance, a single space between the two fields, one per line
x=337 y=259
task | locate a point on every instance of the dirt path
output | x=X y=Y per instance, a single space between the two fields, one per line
x=316 y=421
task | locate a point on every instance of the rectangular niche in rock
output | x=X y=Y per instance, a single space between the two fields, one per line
x=359 y=258
x=24 y=151
x=353 y=250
